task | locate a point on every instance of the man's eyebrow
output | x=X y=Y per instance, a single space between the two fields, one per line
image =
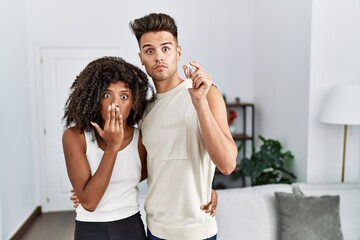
x=162 y=44
x=146 y=45
x=166 y=43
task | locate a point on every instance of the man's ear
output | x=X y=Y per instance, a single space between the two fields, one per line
x=179 y=52
x=139 y=53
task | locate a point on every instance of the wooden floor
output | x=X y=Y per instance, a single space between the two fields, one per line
x=52 y=226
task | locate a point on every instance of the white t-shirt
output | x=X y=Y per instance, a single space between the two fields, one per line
x=121 y=196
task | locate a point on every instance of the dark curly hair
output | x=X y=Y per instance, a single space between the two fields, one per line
x=154 y=22
x=84 y=102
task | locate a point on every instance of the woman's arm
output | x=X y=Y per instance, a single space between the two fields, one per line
x=90 y=189
x=142 y=155
x=209 y=207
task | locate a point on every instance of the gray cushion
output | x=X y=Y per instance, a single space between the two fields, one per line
x=308 y=218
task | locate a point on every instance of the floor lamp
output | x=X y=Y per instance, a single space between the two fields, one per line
x=343 y=107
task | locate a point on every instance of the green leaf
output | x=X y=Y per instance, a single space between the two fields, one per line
x=266 y=165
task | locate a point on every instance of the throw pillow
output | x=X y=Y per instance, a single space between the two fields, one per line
x=308 y=217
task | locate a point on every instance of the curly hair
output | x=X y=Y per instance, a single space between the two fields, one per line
x=86 y=92
x=154 y=22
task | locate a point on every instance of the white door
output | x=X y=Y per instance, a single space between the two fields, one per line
x=59 y=67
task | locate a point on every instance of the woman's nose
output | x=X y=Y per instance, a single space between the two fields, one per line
x=116 y=103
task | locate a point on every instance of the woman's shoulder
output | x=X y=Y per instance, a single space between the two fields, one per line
x=73 y=133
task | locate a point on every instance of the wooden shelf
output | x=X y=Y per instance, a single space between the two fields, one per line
x=244 y=134
x=239 y=104
x=241 y=136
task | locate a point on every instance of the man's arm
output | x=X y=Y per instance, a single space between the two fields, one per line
x=211 y=110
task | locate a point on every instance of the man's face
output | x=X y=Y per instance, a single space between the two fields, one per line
x=159 y=53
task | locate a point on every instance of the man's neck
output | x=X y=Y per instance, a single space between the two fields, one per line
x=163 y=86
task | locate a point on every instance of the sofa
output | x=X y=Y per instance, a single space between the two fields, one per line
x=305 y=211
x=252 y=213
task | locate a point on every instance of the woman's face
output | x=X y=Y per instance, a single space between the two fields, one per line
x=119 y=94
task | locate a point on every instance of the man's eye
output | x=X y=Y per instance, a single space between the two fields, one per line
x=149 y=51
x=106 y=95
x=166 y=49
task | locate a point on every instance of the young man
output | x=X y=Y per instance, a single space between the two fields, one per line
x=185 y=133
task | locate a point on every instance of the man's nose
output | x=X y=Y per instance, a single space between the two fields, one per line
x=159 y=57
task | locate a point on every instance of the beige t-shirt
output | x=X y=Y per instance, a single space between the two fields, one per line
x=180 y=171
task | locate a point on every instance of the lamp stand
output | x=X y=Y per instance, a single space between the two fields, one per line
x=344 y=154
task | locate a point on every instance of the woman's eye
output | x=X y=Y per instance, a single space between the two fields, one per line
x=106 y=95
x=124 y=97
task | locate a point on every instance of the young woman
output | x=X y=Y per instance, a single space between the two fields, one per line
x=104 y=155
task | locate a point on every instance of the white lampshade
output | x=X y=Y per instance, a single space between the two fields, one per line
x=342 y=105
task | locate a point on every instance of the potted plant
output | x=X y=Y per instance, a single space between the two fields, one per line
x=267 y=165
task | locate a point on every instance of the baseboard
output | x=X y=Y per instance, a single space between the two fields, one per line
x=27 y=224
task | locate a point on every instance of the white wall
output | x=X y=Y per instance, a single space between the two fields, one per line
x=303 y=48
x=282 y=54
x=335 y=59
x=1 y=227
x=209 y=32
x=17 y=171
